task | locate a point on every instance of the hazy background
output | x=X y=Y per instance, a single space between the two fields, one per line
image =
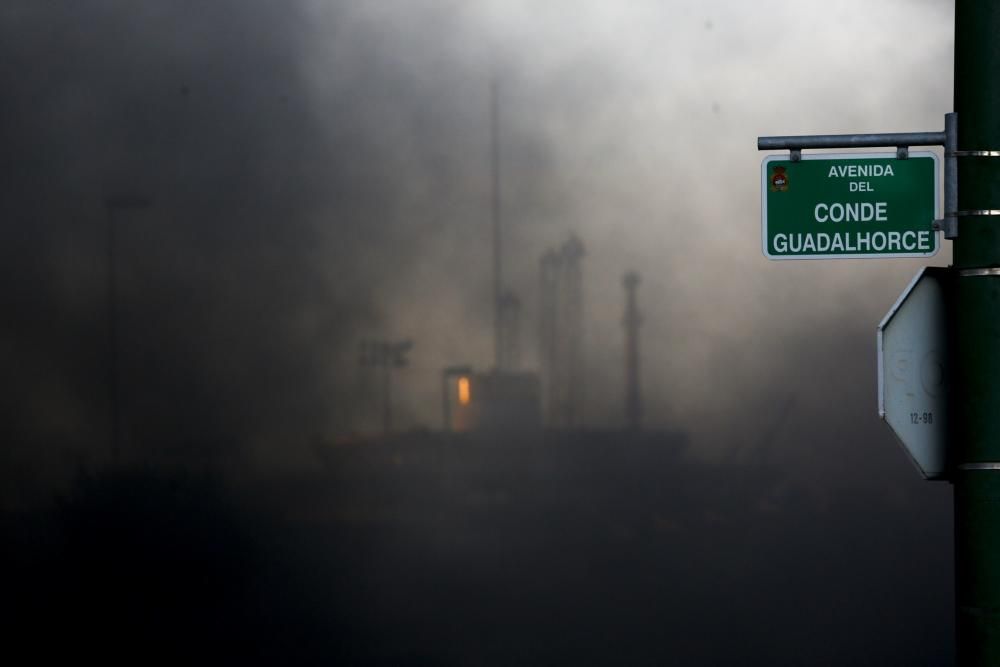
x=320 y=174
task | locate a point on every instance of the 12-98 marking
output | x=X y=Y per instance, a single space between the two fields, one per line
x=921 y=417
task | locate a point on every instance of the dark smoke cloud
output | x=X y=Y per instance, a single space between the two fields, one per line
x=301 y=175
x=227 y=321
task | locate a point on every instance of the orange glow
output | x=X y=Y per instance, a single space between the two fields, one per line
x=464 y=395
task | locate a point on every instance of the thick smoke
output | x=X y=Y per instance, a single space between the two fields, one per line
x=320 y=174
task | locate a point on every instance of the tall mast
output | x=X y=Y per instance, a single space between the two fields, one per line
x=497 y=267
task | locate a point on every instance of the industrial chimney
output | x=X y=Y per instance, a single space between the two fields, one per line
x=632 y=321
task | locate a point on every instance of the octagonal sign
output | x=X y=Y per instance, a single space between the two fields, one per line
x=912 y=371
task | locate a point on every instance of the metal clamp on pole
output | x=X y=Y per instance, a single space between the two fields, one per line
x=972 y=273
x=902 y=141
x=985 y=465
x=977 y=212
x=973 y=154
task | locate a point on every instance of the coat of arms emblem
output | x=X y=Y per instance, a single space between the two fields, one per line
x=779 y=180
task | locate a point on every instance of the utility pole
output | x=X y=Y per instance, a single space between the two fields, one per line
x=975 y=438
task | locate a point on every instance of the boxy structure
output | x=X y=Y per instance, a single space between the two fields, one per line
x=490 y=401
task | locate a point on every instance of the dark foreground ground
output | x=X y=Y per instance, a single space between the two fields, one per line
x=430 y=550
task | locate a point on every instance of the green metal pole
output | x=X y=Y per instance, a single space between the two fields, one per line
x=976 y=335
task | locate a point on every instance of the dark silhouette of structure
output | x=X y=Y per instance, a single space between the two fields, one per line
x=385 y=355
x=509 y=314
x=561 y=333
x=504 y=398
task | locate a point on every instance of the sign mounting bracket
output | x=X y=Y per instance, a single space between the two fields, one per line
x=902 y=141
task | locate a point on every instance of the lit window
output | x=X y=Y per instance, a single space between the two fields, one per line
x=463 y=391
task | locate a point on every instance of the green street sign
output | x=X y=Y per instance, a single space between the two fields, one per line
x=850 y=206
